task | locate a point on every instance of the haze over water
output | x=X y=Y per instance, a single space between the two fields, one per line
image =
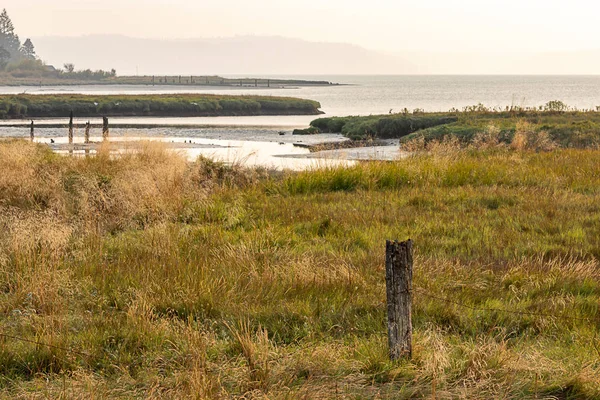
x=365 y=95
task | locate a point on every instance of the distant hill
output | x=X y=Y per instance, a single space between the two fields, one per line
x=251 y=55
x=258 y=55
x=456 y=62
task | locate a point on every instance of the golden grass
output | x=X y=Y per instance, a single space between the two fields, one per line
x=196 y=280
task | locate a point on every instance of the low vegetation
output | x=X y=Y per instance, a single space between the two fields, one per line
x=383 y=127
x=565 y=126
x=149 y=276
x=188 y=105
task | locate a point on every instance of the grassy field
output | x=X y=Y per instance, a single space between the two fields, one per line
x=182 y=105
x=563 y=125
x=152 y=277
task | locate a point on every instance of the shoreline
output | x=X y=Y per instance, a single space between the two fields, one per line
x=332 y=148
x=170 y=81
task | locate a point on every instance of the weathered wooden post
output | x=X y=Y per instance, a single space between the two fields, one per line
x=256 y=83
x=71 y=128
x=398 y=279
x=241 y=84
x=268 y=83
x=105 y=128
x=32 y=132
x=87 y=132
x=152 y=80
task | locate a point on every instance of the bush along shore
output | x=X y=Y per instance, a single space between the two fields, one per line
x=180 y=105
x=565 y=126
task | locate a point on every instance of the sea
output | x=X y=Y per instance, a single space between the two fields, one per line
x=380 y=94
x=347 y=95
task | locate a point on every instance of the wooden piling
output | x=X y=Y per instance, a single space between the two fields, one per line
x=71 y=128
x=87 y=132
x=32 y=132
x=105 y=131
x=399 y=273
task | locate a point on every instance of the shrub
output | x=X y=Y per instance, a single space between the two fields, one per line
x=308 y=131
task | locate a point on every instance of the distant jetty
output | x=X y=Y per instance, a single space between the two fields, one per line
x=162 y=80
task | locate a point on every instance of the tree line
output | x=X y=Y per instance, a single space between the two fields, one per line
x=11 y=49
x=20 y=59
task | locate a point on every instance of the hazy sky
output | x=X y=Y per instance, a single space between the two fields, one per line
x=389 y=25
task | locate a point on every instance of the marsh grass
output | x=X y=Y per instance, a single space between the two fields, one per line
x=555 y=125
x=60 y=105
x=200 y=280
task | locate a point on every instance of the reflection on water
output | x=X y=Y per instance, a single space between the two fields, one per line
x=244 y=152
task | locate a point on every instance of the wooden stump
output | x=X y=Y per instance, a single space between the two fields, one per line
x=32 y=132
x=87 y=132
x=105 y=131
x=71 y=128
x=399 y=273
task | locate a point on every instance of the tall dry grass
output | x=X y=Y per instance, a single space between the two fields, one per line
x=197 y=280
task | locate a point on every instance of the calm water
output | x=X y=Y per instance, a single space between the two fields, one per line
x=364 y=95
x=251 y=153
x=258 y=141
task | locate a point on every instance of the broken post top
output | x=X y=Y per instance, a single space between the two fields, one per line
x=407 y=244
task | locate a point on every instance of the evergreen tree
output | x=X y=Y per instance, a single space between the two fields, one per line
x=8 y=39
x=6 y=26
x=4 y=57
x=28 y=50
